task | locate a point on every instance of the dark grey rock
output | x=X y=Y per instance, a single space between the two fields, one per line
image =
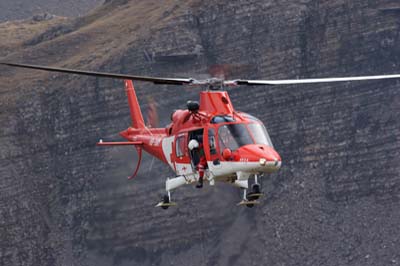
x=335 y=202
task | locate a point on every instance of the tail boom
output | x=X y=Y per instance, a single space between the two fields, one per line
x=150 y=139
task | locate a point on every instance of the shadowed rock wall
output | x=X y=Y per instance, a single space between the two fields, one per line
x=335 y=201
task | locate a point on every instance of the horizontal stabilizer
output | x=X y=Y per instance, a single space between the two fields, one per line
x=118 y=143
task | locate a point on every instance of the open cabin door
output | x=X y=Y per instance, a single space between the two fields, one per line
x=185 y=160
x=196 y=153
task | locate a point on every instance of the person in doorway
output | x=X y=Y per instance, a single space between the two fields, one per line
x=197 y=147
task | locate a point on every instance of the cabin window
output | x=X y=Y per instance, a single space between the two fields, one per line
x=233 y=136
x=260 y=134
x=211 y=141
x=222 y=119
x=180 y=146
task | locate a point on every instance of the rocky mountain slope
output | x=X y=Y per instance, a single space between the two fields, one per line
x=20 y=9
x=335 y=201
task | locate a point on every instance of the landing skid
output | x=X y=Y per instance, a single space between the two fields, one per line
x=248 y=203
x=165 y=205
x=249 y=199
x=254 y=196
x=166 y=202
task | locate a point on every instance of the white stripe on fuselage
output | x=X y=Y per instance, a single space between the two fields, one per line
x=231 y=168
x=167 y=149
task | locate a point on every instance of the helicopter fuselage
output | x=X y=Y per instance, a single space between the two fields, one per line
x=236 y=145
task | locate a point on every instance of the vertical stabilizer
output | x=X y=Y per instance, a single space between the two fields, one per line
x=136 y=113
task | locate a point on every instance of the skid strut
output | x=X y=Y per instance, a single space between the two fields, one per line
x=170 y=184
x=255 y=192
x=246 y=201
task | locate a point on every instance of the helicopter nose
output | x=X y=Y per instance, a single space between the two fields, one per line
x=269 y=158
x=272 y=163
x=266 y=156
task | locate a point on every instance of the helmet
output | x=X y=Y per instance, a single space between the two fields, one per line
x=193 y=144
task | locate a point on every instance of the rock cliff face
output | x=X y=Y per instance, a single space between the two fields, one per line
x=335 y=202
x=20 y=9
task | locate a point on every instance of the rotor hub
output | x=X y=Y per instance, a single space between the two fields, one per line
x=214 y=83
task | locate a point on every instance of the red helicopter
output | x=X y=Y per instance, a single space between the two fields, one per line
x=232 y=146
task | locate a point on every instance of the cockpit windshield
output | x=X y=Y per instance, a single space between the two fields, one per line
x=260 y=134
x=233 y=136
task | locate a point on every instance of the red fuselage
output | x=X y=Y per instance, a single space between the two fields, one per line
x=233 y=141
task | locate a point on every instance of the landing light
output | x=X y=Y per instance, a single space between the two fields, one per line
x=263 y=161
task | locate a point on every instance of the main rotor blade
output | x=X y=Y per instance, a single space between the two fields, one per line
x=155 y=80
x=194 y=82
x=318 y=80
